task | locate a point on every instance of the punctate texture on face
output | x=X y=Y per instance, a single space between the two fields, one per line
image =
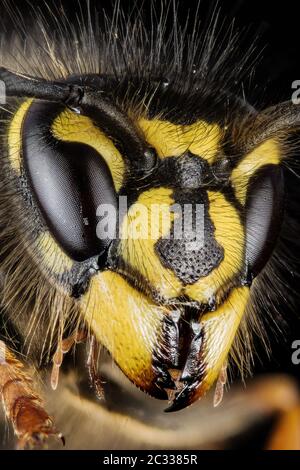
x=166 y=312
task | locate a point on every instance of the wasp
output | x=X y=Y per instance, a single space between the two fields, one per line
x=94 y=114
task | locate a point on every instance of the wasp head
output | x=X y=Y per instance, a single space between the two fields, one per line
x=161 y=220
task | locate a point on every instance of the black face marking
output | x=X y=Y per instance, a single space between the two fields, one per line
x=94 y=96
x=192 y=172
x=190 y=257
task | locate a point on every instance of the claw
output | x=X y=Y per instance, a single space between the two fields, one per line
x=37 y=439
x=172 y=355
x=192 y=372
x=182 y=398
x=206 y=357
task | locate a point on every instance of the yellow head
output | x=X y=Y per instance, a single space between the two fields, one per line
x=155 y=224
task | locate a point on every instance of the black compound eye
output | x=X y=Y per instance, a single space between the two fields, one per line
x=69 y=182
x=264 y=210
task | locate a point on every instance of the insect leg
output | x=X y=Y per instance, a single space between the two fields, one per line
x=64 y=347
x=22 y=403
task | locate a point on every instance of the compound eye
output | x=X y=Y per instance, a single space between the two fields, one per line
x=69 y=182
x=264 y=210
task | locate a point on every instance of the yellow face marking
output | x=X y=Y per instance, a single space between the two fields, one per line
x=220 y=328
x=140 y=253
x=171 y=140
x=15 y=136
x=229 y=233
x=267 y=153
x=72 y=127
x=126 y=322
x=53 y=258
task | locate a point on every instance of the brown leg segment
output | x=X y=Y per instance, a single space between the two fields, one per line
x=22 y=404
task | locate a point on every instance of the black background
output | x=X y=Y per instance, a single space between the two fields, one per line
x=275 y=26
